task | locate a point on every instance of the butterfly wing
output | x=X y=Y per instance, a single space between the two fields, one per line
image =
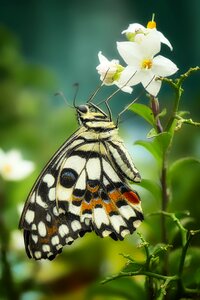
x=40 y=218
x=81 y=189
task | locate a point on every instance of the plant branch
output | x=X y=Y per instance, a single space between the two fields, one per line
x=139 y=273
x=177 y=86
x=186 y=121
x=183 y=231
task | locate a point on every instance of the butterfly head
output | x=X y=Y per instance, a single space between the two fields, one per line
x=89 y=113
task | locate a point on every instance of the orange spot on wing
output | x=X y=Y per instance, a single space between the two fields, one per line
x=50 y=232
x=86 y=206
x=97 y=201
x=132 y=197
x=115 y=195
x=109 y=207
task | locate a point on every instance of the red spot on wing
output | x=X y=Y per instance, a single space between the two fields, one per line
x=132 y=197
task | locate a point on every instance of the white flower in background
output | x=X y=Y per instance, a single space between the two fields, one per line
x=110 y=72
x=13 y=167
x=142 y=62
x=16 y=240
x=137 y=32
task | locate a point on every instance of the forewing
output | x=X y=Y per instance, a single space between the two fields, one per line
x=42 y=220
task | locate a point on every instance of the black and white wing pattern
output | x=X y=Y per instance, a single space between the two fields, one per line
x=83 y=188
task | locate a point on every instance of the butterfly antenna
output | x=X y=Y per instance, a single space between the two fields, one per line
x=76 y=86
x=119 y=89
x=136 y=99
x=95 y=93
x=98 y=88
x=64 y=98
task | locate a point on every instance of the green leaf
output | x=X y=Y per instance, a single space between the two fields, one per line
x=181 y=163
x=143 y=111
x=152 y=133
x=133 y=267
x=158 y=146
x=151 y=186
x=163 y=140
x=149 y=146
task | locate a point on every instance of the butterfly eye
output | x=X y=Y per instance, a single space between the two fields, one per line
x=83 y=109
x=68 y=178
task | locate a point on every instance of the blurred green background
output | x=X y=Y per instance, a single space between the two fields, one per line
x=45 y=47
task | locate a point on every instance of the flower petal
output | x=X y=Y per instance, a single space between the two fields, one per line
x=165 y=41
x=150 y=83
x=133 y=28
x=126 y=89
x=107 y=69
x=151 y=44
x=129 y=76
x=163 y=66
x=130 y=52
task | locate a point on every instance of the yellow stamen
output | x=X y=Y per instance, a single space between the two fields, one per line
x=151 y=25
x=146 y=64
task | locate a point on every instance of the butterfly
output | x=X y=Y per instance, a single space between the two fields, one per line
x=83 y=188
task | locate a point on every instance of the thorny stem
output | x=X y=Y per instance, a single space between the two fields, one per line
x=181 y=291
x=148 y=279
x=137 y=273
x=183 y=231
x=177 y=86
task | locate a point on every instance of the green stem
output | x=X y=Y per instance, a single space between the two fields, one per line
x=156 y=110
x=183 y=231
x=187 y=121
x=148 y=280
x=181 y=290
x=184 y=250
x=164 y=199
x=178 y=94
x=138 y=273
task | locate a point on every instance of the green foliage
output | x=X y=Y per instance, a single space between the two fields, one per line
x=163 y=281
x=143 y=111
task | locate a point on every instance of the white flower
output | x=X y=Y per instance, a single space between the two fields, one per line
x=141 y=61
x=107 y=69
x=110 y=72
x=137 y=32
x=16 y=240
x=13 y=167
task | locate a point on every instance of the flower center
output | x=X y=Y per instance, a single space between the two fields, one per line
x=146 y=64
x=7 y=169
